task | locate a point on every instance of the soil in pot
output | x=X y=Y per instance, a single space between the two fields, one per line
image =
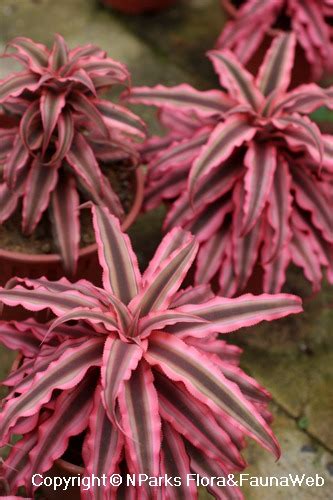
x=42 y=240
x=21 y=256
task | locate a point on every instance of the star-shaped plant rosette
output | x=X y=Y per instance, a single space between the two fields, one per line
x=246 y=170
x=310 y=21
x=66 y=133
x=141 y=371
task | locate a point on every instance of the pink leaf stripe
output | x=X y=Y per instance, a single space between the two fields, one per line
x=65 y=205
x=170 y=243
x=15 y=84
x=206 y=383
x=64 y=373
x=70 y=417
x=8 y=202
x=315 y=201
x=60 y=122
x=141 y=421
x=279 y=208
x=226 y=315
x=102 y=447
x=225 y=138
x=121 y=273
x=82 y=159
x=17 y=340
x=260 y=161
x=59 y=54
x=159 y=320
x=36 y=300
x=167 y=279
x=119 y=361
x=206 y=103
x=235 y=78
x=196 y=423
x=177 y=464
x=121 y=118
x=139 y=371
x=84 y=106
x=40 y=183
x=207 y=468
x=51 y=105
x=15 y=162
x=232 y=179
x=35 y=53
x=275 y=72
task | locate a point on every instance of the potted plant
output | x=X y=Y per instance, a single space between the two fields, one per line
x=66 y=145
x=138 y=6
x=139 y=377
x=253 y=24
x=246 y=170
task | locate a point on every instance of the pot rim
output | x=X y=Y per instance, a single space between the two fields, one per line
x=55 y=258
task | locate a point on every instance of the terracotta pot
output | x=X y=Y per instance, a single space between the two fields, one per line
x=138 y=6
x=35 y=265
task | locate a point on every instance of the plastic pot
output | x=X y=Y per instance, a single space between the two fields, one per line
x=138 y=6
x=34 y=265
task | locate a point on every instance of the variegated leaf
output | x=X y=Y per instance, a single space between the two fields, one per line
x=205 y=382
x=275 y=71
x=227 y=136
x=64 y=373
x=207 y=103
x=121 y=275
x=260 y=162
x=40 y=183
x=65 y=207
x=102 y=448
x=138 y=403
x=238 y=81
